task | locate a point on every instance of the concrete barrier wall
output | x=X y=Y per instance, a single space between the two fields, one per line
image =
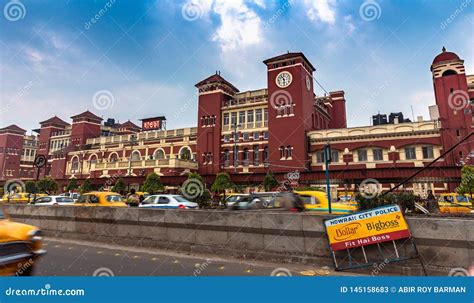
x=285 y=237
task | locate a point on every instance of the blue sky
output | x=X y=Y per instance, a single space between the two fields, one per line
x=131 y=59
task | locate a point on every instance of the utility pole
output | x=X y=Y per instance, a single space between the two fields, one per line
x=236 y=138
x=327 y=160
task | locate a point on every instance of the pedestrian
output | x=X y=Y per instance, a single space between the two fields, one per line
x=133 y=199
x=432 y=203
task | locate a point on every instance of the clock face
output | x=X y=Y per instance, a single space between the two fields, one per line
x=308 y=82
x=283 y=79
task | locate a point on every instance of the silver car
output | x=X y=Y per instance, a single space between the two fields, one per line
x=167 y=202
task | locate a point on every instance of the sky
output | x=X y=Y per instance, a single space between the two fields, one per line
x=129 y=59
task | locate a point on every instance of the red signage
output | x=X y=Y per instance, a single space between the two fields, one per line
x=153 y=123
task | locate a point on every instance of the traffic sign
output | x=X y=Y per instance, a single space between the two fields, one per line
x=40 y=161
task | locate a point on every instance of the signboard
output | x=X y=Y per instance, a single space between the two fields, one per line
x=40 y=161
x=368 y=227
x=156 y=123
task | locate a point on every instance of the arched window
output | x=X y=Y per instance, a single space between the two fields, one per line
x=75 y=164
x=245 y=156
x=265 y=154
x=113 y=157
x=93 y=159
x=289 y=151
x=136 y=156
x=159 y=154
x=449 y=72
x=282 y=152
x=185 y=153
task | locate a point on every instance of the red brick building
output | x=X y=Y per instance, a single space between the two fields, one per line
x=280 y=128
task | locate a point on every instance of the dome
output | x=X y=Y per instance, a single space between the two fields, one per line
x=445 y=56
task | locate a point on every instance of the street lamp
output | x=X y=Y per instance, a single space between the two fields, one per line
x=133 y=141
x=236 y=138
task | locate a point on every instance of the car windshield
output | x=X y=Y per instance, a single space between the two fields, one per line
x=462 y=199
x=180 y=199
x=64 y=200
x=149 y=199
x=114 y=198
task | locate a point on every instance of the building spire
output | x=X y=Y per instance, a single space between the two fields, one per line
x=443 y=49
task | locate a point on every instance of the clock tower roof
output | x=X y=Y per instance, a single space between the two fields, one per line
x=289 y=55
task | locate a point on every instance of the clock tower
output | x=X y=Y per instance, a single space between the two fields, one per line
x=290 y=109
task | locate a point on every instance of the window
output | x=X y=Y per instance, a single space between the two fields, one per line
x=245 y=156
x=265 y=154
x=136 y=156
x=334 y=156
x=282 y=152
x=209 y=158
x=245 y=136
x=250 y=118
x=255 y=155
x=233 y=119
x=226 y=119
x=185 y=154
x=256 y=135
x=320 y=157
x=378 y=154
x=113 y=158
x=159 y=154
x=163 y=200
x=75 y=164
x=241 y=117
x=226 y=138
x=289 y=152
x=362 y=155
x=265 y=135
x=258 y=115
x=226 y=157
x=428 y=152
x=410 y=153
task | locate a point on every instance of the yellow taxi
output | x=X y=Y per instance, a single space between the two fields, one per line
x=20 y=197
x=455 y=203
x=99 y=198
x=20 y=245
x=317 y=202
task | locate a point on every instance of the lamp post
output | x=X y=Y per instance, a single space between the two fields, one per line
x=327 y=160
x=236 y=138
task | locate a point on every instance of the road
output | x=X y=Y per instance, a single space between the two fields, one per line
x=80 y=258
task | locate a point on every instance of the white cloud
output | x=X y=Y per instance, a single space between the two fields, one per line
x=322 y=10
x=240 y=26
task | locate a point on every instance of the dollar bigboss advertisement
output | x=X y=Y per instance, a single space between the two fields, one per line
x=368 y=227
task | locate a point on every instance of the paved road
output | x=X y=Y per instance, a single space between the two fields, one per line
x=77 y=258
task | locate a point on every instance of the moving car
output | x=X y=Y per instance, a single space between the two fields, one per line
x=232 y=198
x=99 y=198
x=20 y=197
x=20 y=247
x=317 y=201
x=455 y=203
x=53 y=200
x=167 y=201
x=74 y=196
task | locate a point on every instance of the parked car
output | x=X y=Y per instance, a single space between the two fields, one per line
x=20 y=245
x=74 y=196
x=317 y=201
x=167 y=201
x=20 y=197
x=454 y=203
x=53 y=200
x=99 y=198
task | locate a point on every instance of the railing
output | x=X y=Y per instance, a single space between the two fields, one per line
x=173 y=163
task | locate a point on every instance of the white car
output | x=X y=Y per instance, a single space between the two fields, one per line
x=167 y=201
x=74 y=196
x=53 y=200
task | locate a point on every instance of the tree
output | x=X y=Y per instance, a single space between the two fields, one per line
x=30 y=187
x=467 y=181
x=47 y=185
x=119 y=186
x=222 y=183
x=270 y=181
x=72 y=185
x=86 y=186
x=152 y=184
x=195 y=176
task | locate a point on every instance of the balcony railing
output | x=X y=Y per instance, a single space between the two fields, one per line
x=172 y=163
